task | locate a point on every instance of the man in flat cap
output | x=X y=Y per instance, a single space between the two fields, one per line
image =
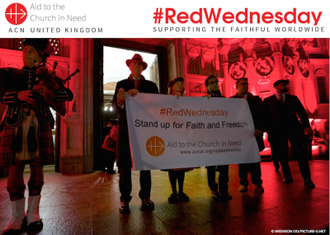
x=283 y=125
x=134 y=84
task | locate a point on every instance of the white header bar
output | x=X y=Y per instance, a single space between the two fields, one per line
x=165 y=19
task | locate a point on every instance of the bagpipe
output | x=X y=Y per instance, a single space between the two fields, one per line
x=55 y=100
x=48 y=78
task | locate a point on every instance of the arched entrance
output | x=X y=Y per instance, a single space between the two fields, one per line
x=136 y=45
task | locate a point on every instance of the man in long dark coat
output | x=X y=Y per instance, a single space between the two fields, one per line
x=283 y=125
x=257 y=112
x=134 y=84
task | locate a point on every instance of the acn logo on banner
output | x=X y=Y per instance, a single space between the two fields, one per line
x=155 y=146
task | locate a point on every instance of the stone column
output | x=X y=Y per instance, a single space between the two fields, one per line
x=247 y=45
x=180 y=60
x=308 y=86
x=309 y=91
x=228 y=82
x=171 y=60
x=87 y=105
x=71 y=157
x=278 y=64
x=75 y=57
x=296 y=84
x=277 y=55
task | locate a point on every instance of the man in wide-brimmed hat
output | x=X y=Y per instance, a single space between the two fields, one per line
x=134 y=84
x=283 y=125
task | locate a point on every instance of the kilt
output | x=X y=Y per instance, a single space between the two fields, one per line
x=46 y=149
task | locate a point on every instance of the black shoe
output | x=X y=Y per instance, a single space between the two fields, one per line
x=35 y=226
x=111 y=172
x=148 y=204
x=259 y=188
x=225 y=197
x=309 y=182
x=287 y=180
x=183 y=197
x=11 y=232
x=215 y=195
x=124 y=207
x=173 y=198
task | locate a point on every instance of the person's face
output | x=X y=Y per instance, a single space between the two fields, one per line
x=213 y=85
x=281 y=88
x=242 y=87
x=177 y=87
x=136 y=68
x=30 y=56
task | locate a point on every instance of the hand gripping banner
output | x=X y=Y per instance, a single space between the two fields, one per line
x=166 y=132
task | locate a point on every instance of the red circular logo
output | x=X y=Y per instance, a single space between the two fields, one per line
x=16 y=13
x=155 y=146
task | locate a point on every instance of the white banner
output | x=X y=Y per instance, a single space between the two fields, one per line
x=166 y=132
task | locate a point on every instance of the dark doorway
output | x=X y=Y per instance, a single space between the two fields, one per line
x=100 y=117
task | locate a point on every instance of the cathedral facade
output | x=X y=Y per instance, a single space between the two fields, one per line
x=302 y=61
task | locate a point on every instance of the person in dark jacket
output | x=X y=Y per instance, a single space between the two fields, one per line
x=134 y=84
x=257 y=112
x=212 y=85
x=283 y=125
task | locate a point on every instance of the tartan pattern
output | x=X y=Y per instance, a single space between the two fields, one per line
x=19 y=80
x=7 y=157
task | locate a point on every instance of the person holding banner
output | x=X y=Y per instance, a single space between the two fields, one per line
x=212 y=85
x=175 y=87
x=134 y=84
x=283 y=125
x=25 y=131
x=256 y=108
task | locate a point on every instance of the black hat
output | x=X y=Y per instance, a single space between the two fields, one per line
x=40 y=44
x=280 y=81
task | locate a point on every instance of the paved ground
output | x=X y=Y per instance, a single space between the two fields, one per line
x=88 y=204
